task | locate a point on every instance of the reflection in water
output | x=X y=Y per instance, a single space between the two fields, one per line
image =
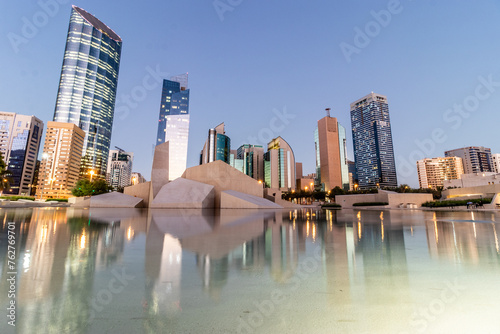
x=191 y=264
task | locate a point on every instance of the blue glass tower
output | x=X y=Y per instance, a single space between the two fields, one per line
x=87 y=87
x=372 y=139
x=173 y=123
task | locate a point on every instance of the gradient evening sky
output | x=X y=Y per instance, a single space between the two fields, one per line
x=269 y=56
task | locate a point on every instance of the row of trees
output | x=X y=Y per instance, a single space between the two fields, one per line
x=320 y=195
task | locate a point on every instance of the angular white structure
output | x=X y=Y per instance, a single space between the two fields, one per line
x=184 y=194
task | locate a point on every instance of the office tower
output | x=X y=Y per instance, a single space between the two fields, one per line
x=279 y=165
x=173 y=123
x=217 y=146
x=433 y=172
x=137 y=178
x=235 y=162
x=253 y=160
x=20 y=137
x=476 y=159
x=119 y=173
x=353 y=176
x=372 y=139
x=60 y=165
x=87 y=88
x=495 y=160
x=332 y=162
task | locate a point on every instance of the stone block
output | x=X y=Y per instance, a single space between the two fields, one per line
x=183 y=194
x=224 y=177
x=231 y=199
x=159 y=171
x=115 y=200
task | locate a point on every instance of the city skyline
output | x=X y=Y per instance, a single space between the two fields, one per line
x=225 y=91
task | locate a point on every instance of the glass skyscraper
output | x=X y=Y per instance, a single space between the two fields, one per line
x=173 y=123
x=372 y=139
x=87 y=88
x=217 y=146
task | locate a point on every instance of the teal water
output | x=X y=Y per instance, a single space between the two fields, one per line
x=299 y=271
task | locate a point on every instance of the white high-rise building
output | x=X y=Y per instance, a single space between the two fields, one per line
x=19 y=142
x=119 y=173
x=173 y=123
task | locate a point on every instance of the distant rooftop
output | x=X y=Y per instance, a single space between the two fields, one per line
x=98 y=24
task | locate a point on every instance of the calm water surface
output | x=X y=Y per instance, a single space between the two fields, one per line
x=302 y=271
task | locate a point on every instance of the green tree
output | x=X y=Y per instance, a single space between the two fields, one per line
x=86 y=188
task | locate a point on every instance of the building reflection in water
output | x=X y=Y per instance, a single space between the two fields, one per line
x=57 y=262
x=61 y=253
x=467 y=238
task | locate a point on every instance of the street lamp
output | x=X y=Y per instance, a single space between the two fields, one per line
x=91 y=174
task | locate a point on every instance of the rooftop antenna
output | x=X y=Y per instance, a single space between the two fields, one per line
x=328 y=112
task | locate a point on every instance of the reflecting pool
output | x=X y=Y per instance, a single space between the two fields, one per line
x=244 y=271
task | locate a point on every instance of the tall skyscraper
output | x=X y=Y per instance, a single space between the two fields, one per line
x=87 y=88
x=60 y=165
x=476 y=159
x=20 y=137
x=217 y=146
x=279 y=165
x=173 y=123
x=332 y=162
x=433 y=172
x=372 y=139
x=119 y=172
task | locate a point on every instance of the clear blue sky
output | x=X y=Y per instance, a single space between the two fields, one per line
x=260 y=57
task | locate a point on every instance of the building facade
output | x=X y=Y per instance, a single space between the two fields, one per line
x=495 y=160
x=432 y=173
x=353 y=176
x=60 y=165
x=252 y=157
x=173 y=123
x=332 y=163
x=217 y=146
x=475 y=159
x=20 y=137
x=137 y=178
x=119 y=172
x=473 y=180
x=279 y=165
x=87 y=87
x=372 y=139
